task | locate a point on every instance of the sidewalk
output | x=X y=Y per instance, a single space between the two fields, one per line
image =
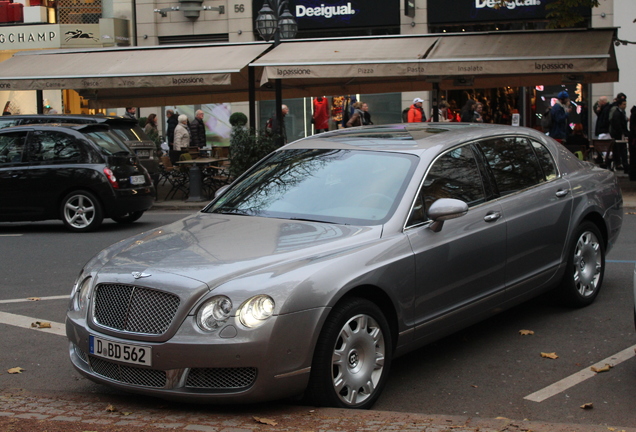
x=628 y=187
x=106 y=413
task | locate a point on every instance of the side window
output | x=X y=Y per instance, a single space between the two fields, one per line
x=52 y=147
x=545 y=160
x=8 y=123
x=513 y=163
x=453 y=175
x=11 y=147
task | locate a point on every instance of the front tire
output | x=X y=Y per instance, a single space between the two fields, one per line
x=81 y=211
x=352 y=357
x=585 y=268
x=128 y=218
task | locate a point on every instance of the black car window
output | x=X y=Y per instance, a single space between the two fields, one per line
x=545 y=160
x=7 y=123
x=513 y=163
x=11 y=147
x=128 y=132
x=455 y=174
x=108 y=142
x=52 y=147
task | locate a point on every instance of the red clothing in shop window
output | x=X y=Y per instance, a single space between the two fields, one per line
x=321 y=113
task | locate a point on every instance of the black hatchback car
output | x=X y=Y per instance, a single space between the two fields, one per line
x=126 y=129
x=78 y=173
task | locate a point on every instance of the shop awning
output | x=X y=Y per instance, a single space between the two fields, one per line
x=139 y=76
x=414 y=62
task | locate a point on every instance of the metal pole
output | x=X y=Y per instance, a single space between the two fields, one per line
x=252 y=96
x=39 y=95
x=278 y=88
x=435 y=106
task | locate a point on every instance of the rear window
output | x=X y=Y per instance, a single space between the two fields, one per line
x=108 y=142
x=128 y=132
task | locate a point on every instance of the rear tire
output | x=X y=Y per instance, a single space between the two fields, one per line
x=128 y=218
x=585 y=268
x=81 y=211
x=352 y=358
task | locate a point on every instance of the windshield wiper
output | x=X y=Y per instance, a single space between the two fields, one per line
x=231 y=210
x=312 y=220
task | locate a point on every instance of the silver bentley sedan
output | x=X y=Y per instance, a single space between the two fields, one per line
x=337 y=253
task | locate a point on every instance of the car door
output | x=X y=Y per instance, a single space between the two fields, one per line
x=14 y=194
x=459 y=270
x=53 y=156
x=537 y=204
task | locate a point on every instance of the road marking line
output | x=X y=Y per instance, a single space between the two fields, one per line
x=25 y=322
x=580 y=376
x=11 y=235
x=621 y=261
x=40 y=299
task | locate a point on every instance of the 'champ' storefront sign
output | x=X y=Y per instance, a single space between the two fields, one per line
x=50 y=36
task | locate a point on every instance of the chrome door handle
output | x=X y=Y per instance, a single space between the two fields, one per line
x=492 y=216
x=562 y=192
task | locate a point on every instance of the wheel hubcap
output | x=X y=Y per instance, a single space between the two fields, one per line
x=588 y=263
x=79 y=211
x=358 y=359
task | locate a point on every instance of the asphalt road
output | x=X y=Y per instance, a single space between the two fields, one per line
x=488 y=370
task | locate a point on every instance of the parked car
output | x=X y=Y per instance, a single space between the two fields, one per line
x=337 y=253
x=127 y=129
x=77 y=173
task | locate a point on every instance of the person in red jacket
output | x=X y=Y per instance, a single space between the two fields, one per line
x=416 y=112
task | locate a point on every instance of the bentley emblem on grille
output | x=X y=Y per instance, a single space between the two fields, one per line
x=139 y=275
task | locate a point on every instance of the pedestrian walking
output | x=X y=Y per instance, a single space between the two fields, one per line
x=366 y=115
x=197 y=130
x=172 y=122
x=559 y=117
x=618 y=132
x=468 y=112
x=181 y=139
x=416 y=112
x=131 y=113
x=357 y=116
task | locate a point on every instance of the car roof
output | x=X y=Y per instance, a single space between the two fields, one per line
x=88 y=127
x=413 y=137
x=68 y=118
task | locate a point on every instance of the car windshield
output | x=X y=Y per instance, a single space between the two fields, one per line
x=354 y=187
x=128 y=132
x=109 y=143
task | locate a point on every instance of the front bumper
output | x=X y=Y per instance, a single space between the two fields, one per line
x=235 y=365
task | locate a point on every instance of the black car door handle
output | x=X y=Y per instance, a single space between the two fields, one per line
x=562 y=192
x=492 y=216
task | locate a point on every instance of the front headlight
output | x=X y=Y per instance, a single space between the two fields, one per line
x=256 y=310
x=213 y=313
x=80 y=297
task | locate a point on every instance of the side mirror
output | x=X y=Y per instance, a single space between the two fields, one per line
x=444 y=209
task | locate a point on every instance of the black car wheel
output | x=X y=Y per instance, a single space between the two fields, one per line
x=81 y=211
x=585 y=268
x=128 y=217
x=352 y=357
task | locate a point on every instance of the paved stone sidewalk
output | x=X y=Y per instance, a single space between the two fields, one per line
x=103 y=413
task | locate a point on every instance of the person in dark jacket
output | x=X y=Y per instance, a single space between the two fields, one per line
x=559 y=115
x=197 y=130
x=172 y=121
x=632 y=144
x=131 y=113
x=468 y=111
x=618 y=131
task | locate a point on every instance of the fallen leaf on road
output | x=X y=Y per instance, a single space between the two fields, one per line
x=502 y=418
x=33 y=298
x=473 y=385
x=605 y=368
x=41 y=324
x=111 y=408
x=265 y=421
x=549 y=355
x=631 y=213
x=15 y=370
x=526 y=332
x=589 y=405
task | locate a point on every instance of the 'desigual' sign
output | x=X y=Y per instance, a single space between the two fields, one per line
x=320 y=14
x=468 y=11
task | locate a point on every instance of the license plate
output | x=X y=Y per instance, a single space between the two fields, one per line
x=135 y=354
x=143 y=153
x=137 y=179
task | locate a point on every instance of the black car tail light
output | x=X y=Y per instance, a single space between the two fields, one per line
x=111 y=177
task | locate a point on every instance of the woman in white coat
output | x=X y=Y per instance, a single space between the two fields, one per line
x=181 y=138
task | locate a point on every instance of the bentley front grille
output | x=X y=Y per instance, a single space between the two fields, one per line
x=134 y=309
x=221 y=378
x=128 y=374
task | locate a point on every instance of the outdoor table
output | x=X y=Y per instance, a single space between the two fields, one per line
x=196 y=180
